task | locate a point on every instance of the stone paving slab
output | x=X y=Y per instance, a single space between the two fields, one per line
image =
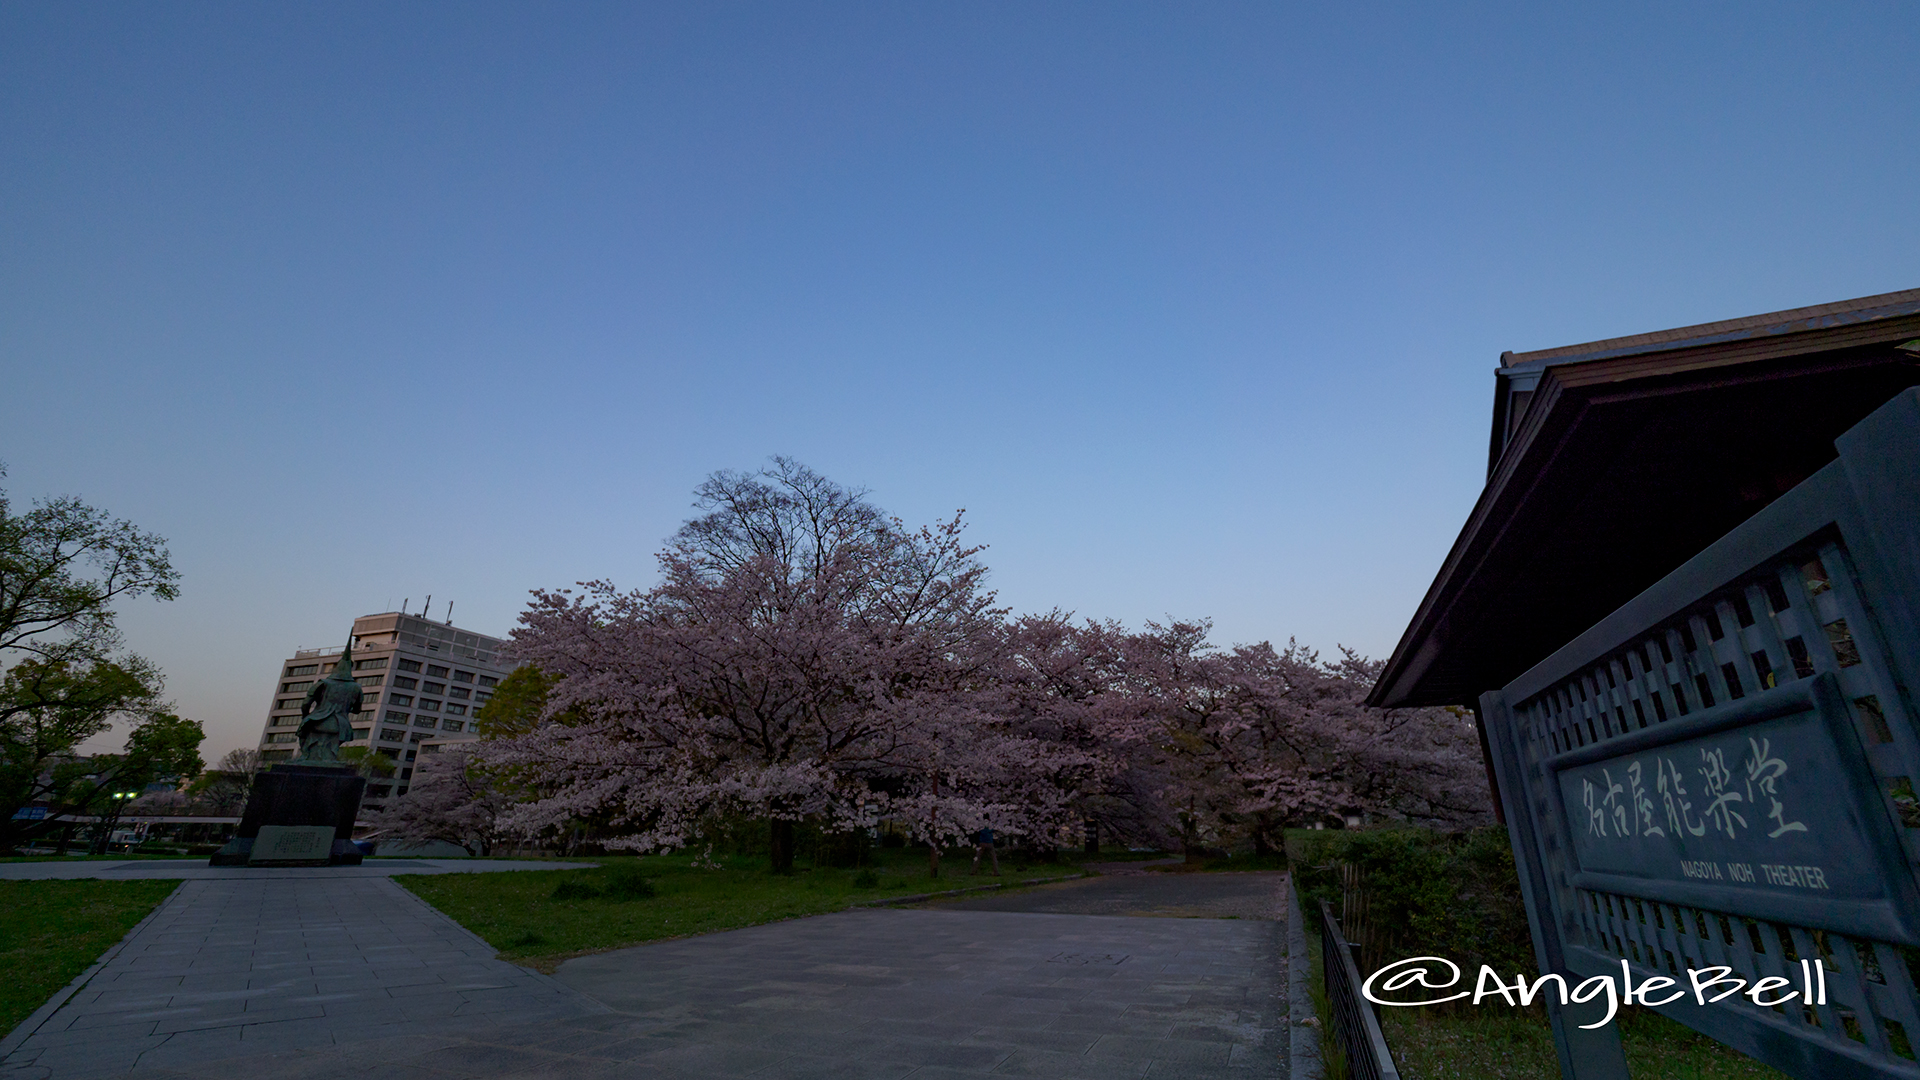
x=231 y=967
x=198 y=870
x=932 y=993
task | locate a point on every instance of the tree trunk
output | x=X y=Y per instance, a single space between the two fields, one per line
x=1093 y=838
x=933 y=859
x=1190 y=839
x=781 y=846
x=1260 y=845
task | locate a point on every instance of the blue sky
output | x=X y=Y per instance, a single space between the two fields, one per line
x=1192 y=307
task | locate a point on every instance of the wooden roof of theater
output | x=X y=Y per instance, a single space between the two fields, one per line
x=1612 y=462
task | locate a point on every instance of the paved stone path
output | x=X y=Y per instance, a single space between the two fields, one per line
x=938 y=994
x=238 y=967
x=338 y=978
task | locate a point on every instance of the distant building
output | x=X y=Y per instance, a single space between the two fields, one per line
x=422 y=681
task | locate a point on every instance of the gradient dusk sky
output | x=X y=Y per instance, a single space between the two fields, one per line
x=1193 y=307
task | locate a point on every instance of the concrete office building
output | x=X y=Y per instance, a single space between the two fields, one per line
x=422 y=681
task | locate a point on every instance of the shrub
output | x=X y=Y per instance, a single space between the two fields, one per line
x=625 y=882
x=575 y=888
x=1455 y=895
x=866 y=879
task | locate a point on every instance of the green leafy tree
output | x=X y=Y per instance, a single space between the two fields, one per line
x=164 y=748
x=368 y=762
x=516 y=705
x=64 y=676
x=46 y=709
x=223 y=789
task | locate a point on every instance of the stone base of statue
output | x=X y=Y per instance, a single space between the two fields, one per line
x=298 y=815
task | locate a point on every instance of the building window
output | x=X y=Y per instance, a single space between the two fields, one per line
x=430 y=706
x=436 y=671
x=399 y=699
x=452 y=725
x=401 y=682
x=397 y=717
x=370 y=665
x=460 y=692
x=283 y=736
x=434 y=688
x=403 y=789
x=283 y=721
x=407 y=665
x=360 y=733
x=287 y=703
x=294 y=687
x=456 y=710
x=406 y=774
x=275 y=755
x=303 y=669
x=371 y=680
x=390 y=735
x=420 y=735
x=379 y=791
x=463 y=676
x=423 y=721
x=481 y=697
x=488 y=680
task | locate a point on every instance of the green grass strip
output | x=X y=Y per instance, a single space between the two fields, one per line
x=542 y=917
x=53 y=930
x=1502 y=1043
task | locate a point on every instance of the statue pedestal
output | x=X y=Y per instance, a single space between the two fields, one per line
x=292 y=800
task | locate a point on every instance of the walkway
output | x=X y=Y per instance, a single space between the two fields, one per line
x=948 y=994
x=336 y=978
x=240 y=962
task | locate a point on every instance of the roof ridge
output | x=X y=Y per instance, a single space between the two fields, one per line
x=1860 y=309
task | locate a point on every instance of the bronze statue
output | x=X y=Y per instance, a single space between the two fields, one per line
x=323 y=716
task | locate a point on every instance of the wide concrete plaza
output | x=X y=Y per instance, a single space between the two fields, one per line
x=319 y=974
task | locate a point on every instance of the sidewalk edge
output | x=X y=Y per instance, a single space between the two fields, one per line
x=1303 y=1040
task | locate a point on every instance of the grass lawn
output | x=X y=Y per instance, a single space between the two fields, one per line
x=542 y=917
x=53 y=930
x=1502 y=1043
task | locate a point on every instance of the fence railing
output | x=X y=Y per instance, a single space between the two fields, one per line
x=1355 y=1026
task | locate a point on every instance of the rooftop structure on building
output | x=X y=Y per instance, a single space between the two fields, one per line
x=422 y=681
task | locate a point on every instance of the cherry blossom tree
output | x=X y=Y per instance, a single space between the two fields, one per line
x=804 y=656
x=453 y=798
x=1249 y=740
x=807 y=657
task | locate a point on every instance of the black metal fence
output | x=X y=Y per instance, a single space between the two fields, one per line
x=1355 y=1026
